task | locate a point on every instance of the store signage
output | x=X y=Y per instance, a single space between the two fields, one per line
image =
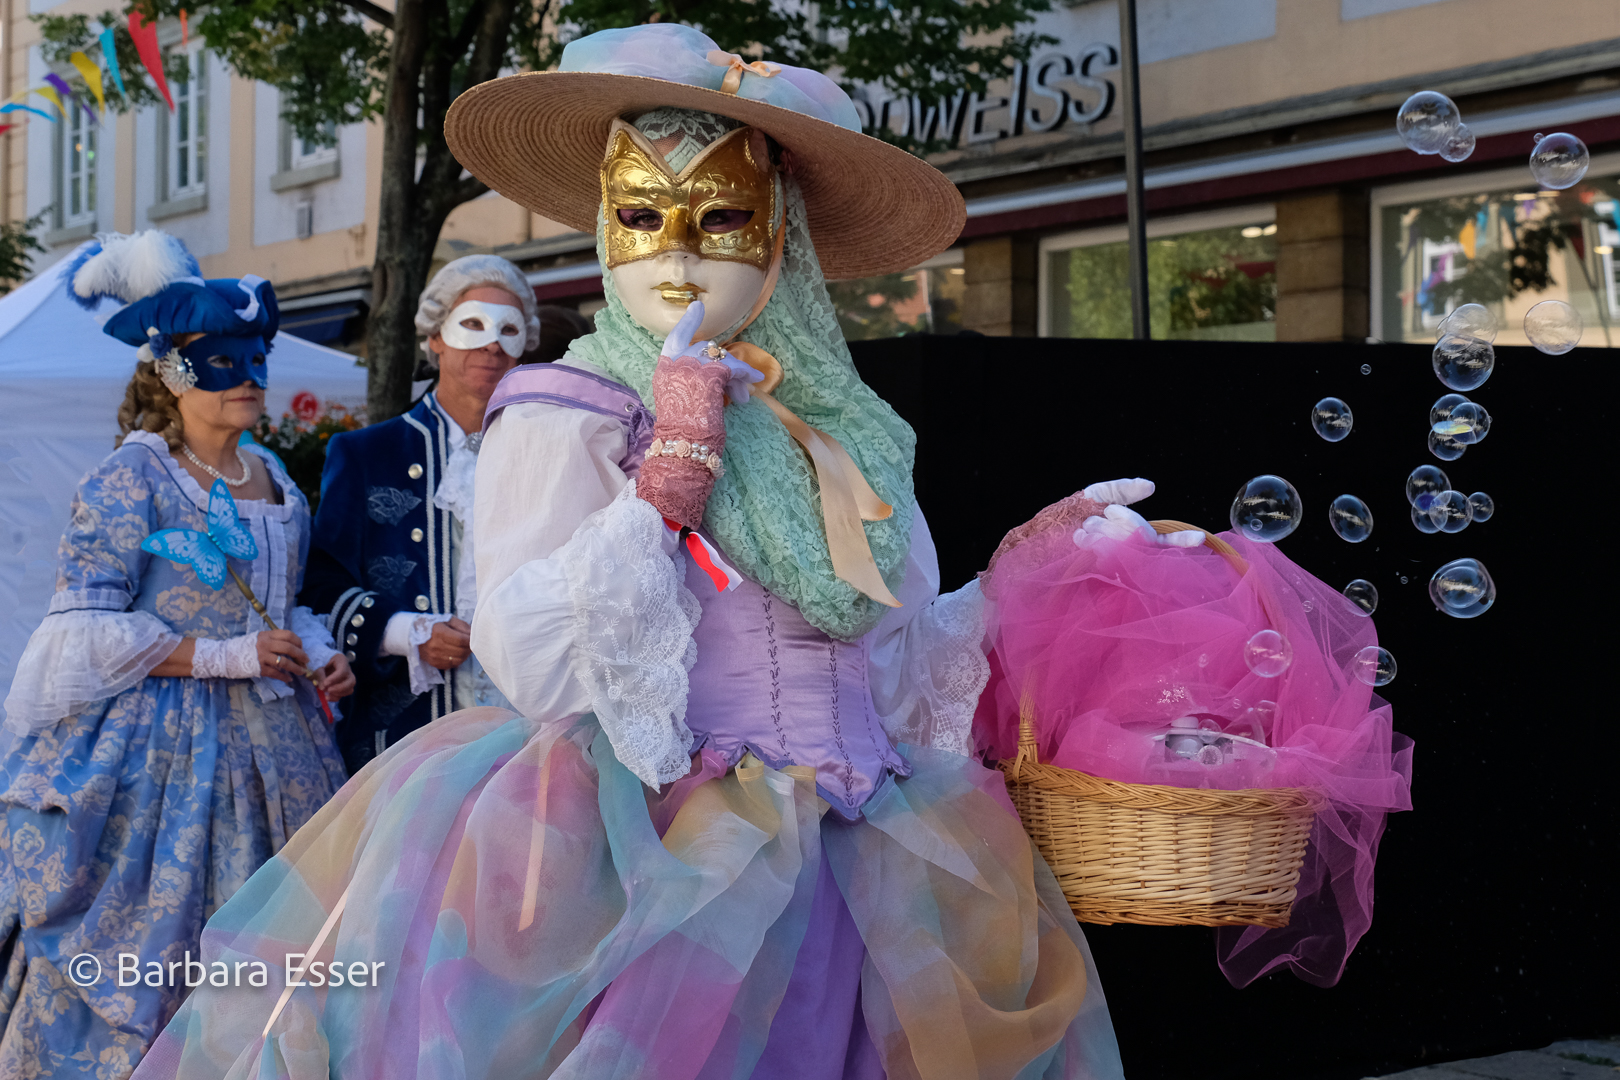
x=1043 y=95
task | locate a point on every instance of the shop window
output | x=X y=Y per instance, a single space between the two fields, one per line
x=925 y=299
x=1210 y=277
x=73 y=178
x=1497 y=239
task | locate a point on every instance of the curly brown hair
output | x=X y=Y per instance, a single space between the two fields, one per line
x=150 y=406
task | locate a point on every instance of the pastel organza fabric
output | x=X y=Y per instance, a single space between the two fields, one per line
x=539 y=912
x=1112 y=641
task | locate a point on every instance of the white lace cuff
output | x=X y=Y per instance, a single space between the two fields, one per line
x=633 y=620
x=311 y=630
x=82 y=656
x=942 y=671
x=424 y=676
x=228 y=658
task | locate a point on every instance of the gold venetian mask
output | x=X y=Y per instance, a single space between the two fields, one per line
x=723 y=205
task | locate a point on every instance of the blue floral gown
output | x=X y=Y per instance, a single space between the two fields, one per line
x=134 y=806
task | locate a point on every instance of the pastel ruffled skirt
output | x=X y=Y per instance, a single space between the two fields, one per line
x=527 y=908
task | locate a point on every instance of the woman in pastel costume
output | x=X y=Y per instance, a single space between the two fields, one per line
x=736 y=831
x=160 y=743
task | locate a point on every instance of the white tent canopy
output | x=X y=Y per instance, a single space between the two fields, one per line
x=61 y=381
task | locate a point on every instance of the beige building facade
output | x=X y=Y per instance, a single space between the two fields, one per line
x=1282 y=205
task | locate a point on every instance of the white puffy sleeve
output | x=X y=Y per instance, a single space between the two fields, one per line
x=927 y=661
x=581 y=608
x=91 y=645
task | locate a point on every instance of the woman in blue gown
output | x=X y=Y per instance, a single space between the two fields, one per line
x=160 y=742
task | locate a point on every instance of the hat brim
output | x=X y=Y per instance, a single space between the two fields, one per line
x=538 y=139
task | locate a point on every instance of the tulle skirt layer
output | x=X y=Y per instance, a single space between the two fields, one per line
x=526 y=908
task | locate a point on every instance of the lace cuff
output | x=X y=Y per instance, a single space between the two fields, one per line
x=944 y=670
x=632 y=627
x=228 y=658
x=80 y=657
x=424 y=676
x=311 y=630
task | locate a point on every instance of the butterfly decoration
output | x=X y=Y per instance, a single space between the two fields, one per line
x=206 y=552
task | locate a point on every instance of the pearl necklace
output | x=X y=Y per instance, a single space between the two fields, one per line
x=241 y=458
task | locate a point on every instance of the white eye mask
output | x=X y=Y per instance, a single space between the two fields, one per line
x=495 y=322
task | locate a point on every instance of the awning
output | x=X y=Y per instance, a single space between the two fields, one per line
x=320 y=324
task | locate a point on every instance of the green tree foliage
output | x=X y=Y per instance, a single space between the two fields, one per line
x=341 y=61
x=17 y=246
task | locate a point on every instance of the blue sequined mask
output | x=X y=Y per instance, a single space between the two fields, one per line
x=223 y=362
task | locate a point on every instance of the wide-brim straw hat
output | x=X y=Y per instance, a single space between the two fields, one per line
x=539 y=138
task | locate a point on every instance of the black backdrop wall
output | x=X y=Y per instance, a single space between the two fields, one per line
x=1495 y=918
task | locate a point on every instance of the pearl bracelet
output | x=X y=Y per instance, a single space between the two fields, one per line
x=682 y=448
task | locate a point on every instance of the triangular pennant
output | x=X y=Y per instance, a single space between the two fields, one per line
x=146 y=44
x=92 y=76
x=109 y=53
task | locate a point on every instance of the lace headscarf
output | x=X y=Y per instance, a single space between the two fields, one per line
x=765 y=512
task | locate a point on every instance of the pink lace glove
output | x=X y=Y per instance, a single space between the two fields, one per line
x=690 y=430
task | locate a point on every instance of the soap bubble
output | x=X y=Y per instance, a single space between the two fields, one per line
x=1558 y=161
x=1463 y=362
x=1420 y=518
x=1332 y=419
x=1366 y=369
x=1441 y=409
x=1460 y=145
x=1350 y=518
x=1467 y=423
x=1267 y=508
x=1553 y=327
x=1462 y=589
x=1451 y=511
x=1374 y=666
x=1445 y=447
x=1427 y=121
x=1469 y=320
x=1268 y=654
x=1363 y=594
x=1484 y=506
x=1424 y=484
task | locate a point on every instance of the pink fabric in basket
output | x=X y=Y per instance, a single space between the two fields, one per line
x=1112 y=642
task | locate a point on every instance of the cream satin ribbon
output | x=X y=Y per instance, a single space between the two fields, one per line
x=733 y=79
x=846 y=498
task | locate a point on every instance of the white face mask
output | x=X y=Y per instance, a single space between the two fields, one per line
x=472 y=324
x=656 y=291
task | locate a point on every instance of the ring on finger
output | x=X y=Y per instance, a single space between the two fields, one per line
x=278 y=661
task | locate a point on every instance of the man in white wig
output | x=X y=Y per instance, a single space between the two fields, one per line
x=389 y=561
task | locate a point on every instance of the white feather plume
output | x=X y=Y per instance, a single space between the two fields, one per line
x=129 y=268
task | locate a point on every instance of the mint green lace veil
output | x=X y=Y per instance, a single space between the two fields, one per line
x=765 y=512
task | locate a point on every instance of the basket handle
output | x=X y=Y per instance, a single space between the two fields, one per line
x=1026 y=735
x=1211 y=541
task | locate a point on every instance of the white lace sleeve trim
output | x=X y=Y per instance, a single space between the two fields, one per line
x=80 y=657
x=633 y=619
x=311 y=630
x=945 y=671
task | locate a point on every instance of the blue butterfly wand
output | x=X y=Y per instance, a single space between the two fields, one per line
x=208 y=552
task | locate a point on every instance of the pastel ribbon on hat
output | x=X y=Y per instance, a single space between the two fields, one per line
x=737 y=65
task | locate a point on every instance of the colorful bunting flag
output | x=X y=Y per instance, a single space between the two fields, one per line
x=92 y=77
x=52 y=96
x=60 y=85
x=12 y=106
x=185 y=31
x=146 y=44
x=109 y=53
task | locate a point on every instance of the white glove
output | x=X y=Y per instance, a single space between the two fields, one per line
x=232 y=658
x=679 y=343
x=1121 y=523
x=1120 y=492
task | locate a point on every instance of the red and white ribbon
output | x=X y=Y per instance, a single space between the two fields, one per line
x=707 y=558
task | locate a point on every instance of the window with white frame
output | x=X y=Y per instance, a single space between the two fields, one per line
x=1211 y=276
x=187 y=163
x=76 y=170
x=1498 y=239
x=303 y=152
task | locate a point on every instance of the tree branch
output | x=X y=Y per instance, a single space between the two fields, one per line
x=377 y=14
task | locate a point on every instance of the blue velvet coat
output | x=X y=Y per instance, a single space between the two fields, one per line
x=379 y=545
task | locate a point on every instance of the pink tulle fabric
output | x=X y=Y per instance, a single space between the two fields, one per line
x=1112 y=642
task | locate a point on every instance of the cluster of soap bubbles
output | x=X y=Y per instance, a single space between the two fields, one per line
x=1455 y=424
x=1463 y=354
x=1431 y=123
x=1438 y=508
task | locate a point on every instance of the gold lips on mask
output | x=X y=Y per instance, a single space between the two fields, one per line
x=726 y=175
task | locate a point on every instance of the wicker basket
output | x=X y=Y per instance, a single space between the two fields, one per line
x=1163 y=856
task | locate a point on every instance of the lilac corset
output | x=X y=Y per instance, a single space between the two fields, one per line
x=768 y=681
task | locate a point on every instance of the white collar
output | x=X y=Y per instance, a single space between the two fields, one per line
x=458 y=437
